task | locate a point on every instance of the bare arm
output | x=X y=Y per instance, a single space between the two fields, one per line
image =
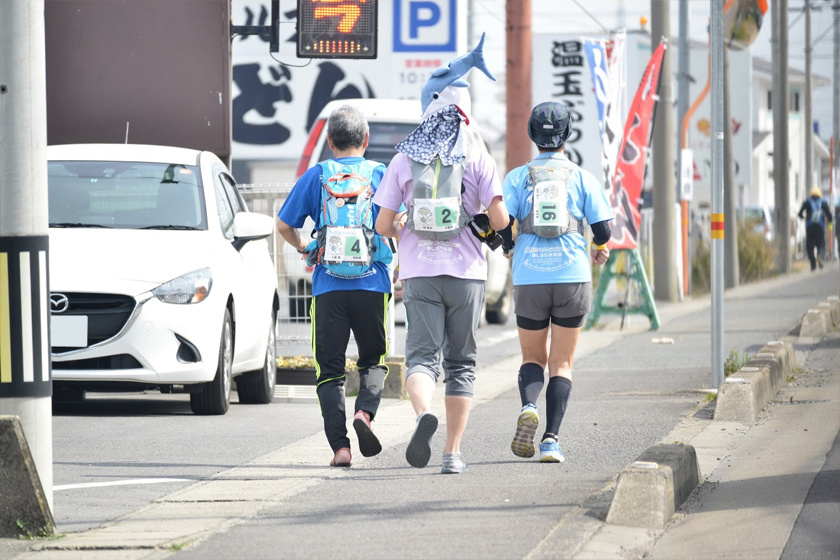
x=291 y=235
x=389 y=222
x=498 y=214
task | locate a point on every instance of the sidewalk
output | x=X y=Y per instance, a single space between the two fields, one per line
x=630 y=392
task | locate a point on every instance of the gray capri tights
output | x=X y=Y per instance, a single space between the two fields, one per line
x=442 y=315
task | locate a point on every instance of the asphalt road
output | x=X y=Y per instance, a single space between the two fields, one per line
x=115 y=454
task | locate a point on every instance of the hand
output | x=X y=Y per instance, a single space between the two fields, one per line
x=599 y=256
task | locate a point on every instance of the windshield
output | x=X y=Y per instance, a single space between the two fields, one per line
x=383 y=139
x=125 y=195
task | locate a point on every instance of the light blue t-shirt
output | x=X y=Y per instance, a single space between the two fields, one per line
x=564 y=259
x=305 y=200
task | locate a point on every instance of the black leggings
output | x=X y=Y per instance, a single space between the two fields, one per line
x=814 y=239
x=536 y=325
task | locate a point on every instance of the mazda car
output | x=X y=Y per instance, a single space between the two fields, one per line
x=160 y=278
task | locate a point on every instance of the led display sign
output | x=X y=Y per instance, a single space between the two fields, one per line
x=336 y=28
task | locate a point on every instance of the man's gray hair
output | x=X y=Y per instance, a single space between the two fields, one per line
x=347 y=127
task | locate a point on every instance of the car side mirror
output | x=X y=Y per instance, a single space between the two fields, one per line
x=250 y=226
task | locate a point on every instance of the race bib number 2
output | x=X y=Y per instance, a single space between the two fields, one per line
x=345 y=245
x=440 y=214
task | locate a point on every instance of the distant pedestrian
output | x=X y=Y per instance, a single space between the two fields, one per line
x=836 y=226
x=816 y=212
x=351 y=284
x=549 y=197
x=444 y=181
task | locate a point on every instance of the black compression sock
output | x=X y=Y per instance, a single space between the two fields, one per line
x=531 y=381
x=556 y=398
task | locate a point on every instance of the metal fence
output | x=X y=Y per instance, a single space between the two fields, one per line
x=293 y=277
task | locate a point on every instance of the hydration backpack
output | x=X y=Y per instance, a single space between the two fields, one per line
x=437 y=211
x=549 y=183
x=347 y=243
x=816 y=211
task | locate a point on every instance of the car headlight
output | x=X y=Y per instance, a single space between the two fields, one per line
x=192 y=287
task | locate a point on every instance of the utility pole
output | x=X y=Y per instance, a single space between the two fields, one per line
x=25 y=381
x=732 y=275
x=518 y=82
x=809 y=118
x=682 y=109
x=836 y=135
x=716 y=47
x=780 y=134
x=665 y=233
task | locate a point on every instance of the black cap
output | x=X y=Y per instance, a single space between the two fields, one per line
x=550 y=124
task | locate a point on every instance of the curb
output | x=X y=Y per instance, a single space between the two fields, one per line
x=744 y=394
x=651 y=489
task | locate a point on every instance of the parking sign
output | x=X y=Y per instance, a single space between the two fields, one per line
x=425 y=25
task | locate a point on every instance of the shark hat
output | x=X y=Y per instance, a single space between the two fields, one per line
x=446 y=85
x=445 y=101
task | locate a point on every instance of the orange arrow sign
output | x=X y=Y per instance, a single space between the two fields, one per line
x=349 y=14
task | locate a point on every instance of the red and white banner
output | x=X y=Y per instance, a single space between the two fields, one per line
x=632 y=157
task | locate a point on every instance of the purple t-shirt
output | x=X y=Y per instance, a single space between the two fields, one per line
x=460 y=256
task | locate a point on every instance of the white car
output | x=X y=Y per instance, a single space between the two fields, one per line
x=160 y=278
x=390 y=121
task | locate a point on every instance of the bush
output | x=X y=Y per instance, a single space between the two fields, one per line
x=756 y=260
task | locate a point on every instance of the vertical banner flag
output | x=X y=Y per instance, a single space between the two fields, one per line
x=606 y=62
x=632 y=158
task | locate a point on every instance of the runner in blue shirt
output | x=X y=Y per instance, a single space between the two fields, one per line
x=341 y=304
x=549 y=197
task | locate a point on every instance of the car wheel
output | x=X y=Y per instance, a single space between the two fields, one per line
x=498 y=312
x=257 y=387
x=214 y=397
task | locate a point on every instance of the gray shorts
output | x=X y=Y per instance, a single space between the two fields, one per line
x=540 y=302
x=442 y=314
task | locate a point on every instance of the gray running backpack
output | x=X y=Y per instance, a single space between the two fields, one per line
x=437 y=211
x=550 y=216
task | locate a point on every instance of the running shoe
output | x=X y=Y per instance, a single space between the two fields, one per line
x=452 y=464
x=368 y=442
x=419 y=449
x=526 y=426
x=341 y=458
x=550 y=452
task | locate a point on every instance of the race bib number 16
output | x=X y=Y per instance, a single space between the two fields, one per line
x=549 y=203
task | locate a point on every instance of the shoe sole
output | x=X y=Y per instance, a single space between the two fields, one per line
x=419 y=449
x=526 y=427
x=552 y=459
x=368 y=442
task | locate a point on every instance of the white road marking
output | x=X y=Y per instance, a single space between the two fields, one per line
x=493 y=341
x=120 y=483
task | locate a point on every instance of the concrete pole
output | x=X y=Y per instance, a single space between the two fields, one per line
x=836 y=135
x=718 y=130
x=665 y=234
x=25 y=380
x=732 y=275
x=682 y=108
x=781 y=177
x=518 y=64
x=809 y=118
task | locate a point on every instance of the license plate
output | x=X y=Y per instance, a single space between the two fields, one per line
x=69 y=331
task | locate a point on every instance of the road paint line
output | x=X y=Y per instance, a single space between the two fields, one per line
x=494 y=340
x=120 y=483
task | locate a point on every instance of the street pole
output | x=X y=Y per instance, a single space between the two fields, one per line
x=25 y=380
x=717 y=231
x=518 y=82
x=732 y=276
x=664 y=178
x=682 y=109
x=809 y=119
x=780 y=134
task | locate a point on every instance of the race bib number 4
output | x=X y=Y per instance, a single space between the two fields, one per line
x=345 y=245
x=440 y=214
x=550 y=203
